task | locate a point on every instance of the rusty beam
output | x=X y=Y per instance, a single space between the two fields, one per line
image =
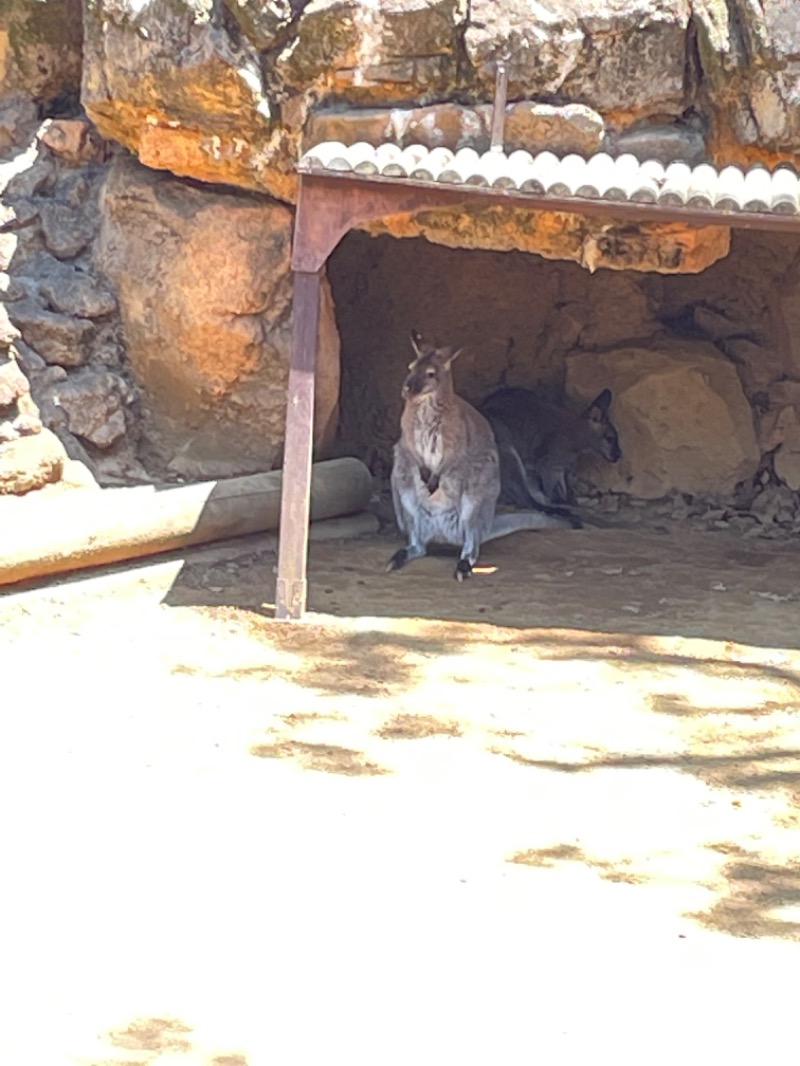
x=337 y=202
x=292 y=588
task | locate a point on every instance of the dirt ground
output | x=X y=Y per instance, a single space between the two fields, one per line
x=549 y=814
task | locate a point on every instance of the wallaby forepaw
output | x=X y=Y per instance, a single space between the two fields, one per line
x=463 y=570
x=397 y=561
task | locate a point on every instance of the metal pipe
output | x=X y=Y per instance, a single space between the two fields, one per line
x=499 y=107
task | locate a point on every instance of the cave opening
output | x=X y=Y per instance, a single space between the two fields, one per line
x=704 y=367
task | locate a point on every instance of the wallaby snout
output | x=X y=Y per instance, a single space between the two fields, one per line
x=612 y=450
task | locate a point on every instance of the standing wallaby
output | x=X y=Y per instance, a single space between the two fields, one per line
x=540 y=444
x=446 y=472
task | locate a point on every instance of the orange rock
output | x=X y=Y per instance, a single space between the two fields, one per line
x=669 y=248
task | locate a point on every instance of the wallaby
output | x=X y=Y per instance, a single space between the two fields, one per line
x=540 y=444
x=446 y=472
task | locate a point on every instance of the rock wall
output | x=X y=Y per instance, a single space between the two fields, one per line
x=224 y=90
x=61 y=323
x=146 y=166
x=230 y=90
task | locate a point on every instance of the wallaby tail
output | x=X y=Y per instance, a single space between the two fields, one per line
x=505 y=524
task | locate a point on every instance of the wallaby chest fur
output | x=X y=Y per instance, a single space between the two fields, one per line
x=444 y=432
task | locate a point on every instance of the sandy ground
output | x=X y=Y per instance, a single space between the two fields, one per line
x=552 y=815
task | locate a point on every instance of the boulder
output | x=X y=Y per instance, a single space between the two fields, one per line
x=66 y=232
x=57 y=338
x=13 y=382
x=19 y=415
x=19 y=118
x=612 y=56
x=30 y=462
x=759 y=366
x=528 y=125
x=28 y=359
x=93 y=402
x=207 y=317
x=683 y=420
x=69 y=290
x=172 y=85
x=535 y=127
x=445 y=125
x=681 y=139
x=73 y=140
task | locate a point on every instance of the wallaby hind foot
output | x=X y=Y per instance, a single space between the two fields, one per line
x=397 y=561
x=403 y=556
x=463 y=570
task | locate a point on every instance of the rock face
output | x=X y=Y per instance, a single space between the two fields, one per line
x=750 y=58
x=667 y=248
x=172 y=84
x=63 y=320
x=683 y=421
x=227 y=91
x=594 y=51
x=206 y=316
x=40 y=51
x=146 y=303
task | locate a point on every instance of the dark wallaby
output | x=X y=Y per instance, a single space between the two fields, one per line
x=540 y=444
x=446 y=472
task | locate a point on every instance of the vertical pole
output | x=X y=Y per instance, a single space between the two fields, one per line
x=292 y=590
x=499 y=106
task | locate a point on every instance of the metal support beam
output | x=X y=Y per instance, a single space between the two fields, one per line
x=292 y=589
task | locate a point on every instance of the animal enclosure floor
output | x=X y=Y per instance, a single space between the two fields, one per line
x=552 y=814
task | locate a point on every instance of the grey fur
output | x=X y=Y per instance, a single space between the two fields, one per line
x=446 y=472
x=540 y=444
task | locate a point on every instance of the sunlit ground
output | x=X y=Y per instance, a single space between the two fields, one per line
x=391 y=840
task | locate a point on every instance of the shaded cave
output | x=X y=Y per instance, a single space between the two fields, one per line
x=704 y=368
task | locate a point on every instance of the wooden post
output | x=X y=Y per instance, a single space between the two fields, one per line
x=292 y=590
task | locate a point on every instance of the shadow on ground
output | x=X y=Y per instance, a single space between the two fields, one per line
x=150 y=1039
x=712 y=585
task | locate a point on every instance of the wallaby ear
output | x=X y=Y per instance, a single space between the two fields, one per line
x=598 y=408
x=416 y=342
x=450 y=358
